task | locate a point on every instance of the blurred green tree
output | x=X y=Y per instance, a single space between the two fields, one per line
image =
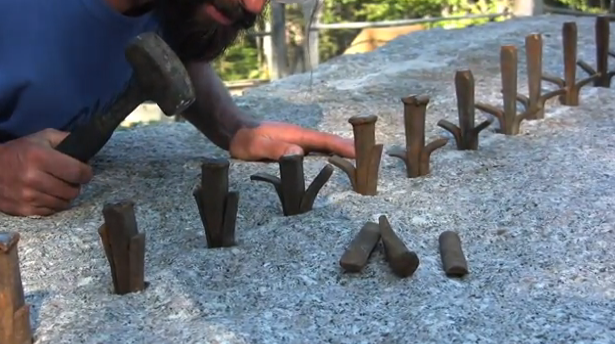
x=245 y=59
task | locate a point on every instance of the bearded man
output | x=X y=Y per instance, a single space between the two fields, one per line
x=62 y=62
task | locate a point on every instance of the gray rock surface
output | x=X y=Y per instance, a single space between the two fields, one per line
x=534 y=212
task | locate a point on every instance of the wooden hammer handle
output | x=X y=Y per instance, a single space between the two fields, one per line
x=89 y=138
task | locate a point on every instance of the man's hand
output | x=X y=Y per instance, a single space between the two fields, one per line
x=35 y=179
x=272 y=140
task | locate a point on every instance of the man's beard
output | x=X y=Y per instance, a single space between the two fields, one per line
x=195 y=37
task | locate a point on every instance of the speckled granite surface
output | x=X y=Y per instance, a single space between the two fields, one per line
x=535 y=213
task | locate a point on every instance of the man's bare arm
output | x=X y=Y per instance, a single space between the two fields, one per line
x=214 y=112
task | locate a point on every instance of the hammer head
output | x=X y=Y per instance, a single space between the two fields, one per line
x=160 y=74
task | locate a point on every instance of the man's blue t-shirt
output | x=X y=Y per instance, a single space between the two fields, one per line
x=61 y=61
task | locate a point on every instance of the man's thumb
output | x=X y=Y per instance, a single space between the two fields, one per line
x=274 y=150
x=52 y=136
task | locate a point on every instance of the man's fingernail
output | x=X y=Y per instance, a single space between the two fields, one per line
x=293 y=151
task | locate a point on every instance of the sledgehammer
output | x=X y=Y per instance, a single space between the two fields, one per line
x=158 y=75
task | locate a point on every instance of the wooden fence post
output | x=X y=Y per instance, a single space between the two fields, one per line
x=523 y=8
x=312 y=13
x=279 y=66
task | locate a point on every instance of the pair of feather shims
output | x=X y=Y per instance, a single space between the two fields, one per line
x=403 y=262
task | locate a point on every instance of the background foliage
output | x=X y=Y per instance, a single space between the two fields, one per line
x=245 y=59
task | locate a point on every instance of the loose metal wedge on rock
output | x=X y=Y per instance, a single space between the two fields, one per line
x=402 y=261
x=361 y=247
x=453 y=260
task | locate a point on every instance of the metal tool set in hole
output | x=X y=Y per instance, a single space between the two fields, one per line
x=159 y=76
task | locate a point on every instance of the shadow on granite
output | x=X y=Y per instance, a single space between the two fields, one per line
x=36 y=299
x=116 y=313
